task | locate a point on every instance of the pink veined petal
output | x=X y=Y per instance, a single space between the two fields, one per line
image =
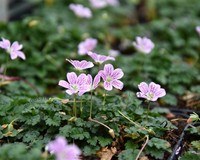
x=89 y=79
x=154 y=87
x=57 y=145
x=5 y=44
x=64 y=84
x=72 y=152
x=117 y=73
x=108 y=86
x=16 y=46
x=117 y=84
x=70 y=92
x=82 y=79
x=141 y=95
x=93 y=55
x=160 y=93
x=108 y=68
x=155 y=98
x=143 y=87
x=102 y=74
x=20 y=54
x=72 y=77
x=13 y=55
x=96 y=81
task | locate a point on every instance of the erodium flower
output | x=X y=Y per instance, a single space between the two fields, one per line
x=143 y=45
x=80 y=65
x=62 y=150
x=150 y=92
x=13 y=50
x=198 y=29
x=103 y=3
x=88 y=45
x=93 y=84
x=113 y=53
x=80 y=10
x=111 y=77
x=76 y=84
x=100 y=58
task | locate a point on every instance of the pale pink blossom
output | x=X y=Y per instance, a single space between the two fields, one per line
x=76 y=84
x=150 y=92
x=100 y=58
x=88 y=45
x=62 y=150
x=144 y=45
x=13 y=50
x=98 y=3
x=113 y=53
x=80 y=10
x=111 y=77
x=198 y=29
x=93 y=84
x=80 y=65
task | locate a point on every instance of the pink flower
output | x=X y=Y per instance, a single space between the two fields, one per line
x=93 y=84
x=198 y=29
x=100 y=58
x=80 y=65
x=111 y=77
x=76 y=84
x=103 y=3
x=98 y=3
x=150 y=92
x=113 y=2
x=62 y=150
x=143 y=45
x=80 y=10
x=13 y=50
x=113 y=53
x=88 y=45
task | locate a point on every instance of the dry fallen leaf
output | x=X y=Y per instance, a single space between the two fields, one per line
x=106 y=153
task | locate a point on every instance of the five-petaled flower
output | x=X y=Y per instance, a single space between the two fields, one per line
x=100 y=58
x=88 y=45
x=150 y=92
x=111 y=77
x=93 y=84
x=143 y=45
x=13 y=50
x=80 y=10
x=62 y=150
x=76 y=84
x=198 y=29
x=80 y=65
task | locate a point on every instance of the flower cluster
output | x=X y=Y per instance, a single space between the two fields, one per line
x=85 y=83
x=13 y=49
x=62 y=150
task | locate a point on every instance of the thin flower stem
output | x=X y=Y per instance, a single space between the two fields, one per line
x=144 y=145
x=93 y=120
x=81 y=107
x=148 y=108
x=133 y=122
x=91 y=104
x=5 y=68
x=104 y=100
x=74 y=106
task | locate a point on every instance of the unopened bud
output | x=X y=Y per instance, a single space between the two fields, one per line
x=112 y=133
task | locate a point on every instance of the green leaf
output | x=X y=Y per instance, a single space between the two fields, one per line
x=65 y=131
x=196 y=144
x=128 y=154
x=79 y=133
x=159 y=143
x=103 y=141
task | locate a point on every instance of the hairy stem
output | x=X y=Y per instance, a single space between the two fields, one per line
x=91 y=104
x=74 y=106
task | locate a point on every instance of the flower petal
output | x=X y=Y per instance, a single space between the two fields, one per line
x=5 y=44
x=64 y=84
x=97 y=79
x=20 y=54
x=72 y=77
x=108 y=68
x=13 y=55
x=117 y=84
x=143 y=87
x=160 y=93
x=82 y=79
x=117 y=73
x=16 y=46
x=154 y=87
x=108 y=86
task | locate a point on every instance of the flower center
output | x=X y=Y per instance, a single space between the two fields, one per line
x=108 y=79
x=74 y=87
x=150 y=95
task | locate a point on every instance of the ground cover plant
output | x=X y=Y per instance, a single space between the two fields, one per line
x=101 y=80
